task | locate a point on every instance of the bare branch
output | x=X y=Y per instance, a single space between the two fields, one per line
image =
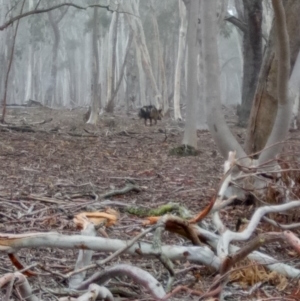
x=236 y=22
x=136 y=274
x=10 y=243
x=45 y=10
x=230 y=236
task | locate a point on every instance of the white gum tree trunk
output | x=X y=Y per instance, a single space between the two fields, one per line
x=94 y=115
x=190 y=132
x=141 y=43
x=284 y=111
x=30 y=64
x=215 y=120
x=180 y=59
x=142 y=78
x=161 y=74
x=112 y=39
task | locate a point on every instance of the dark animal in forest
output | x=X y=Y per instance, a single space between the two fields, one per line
x=150 y=112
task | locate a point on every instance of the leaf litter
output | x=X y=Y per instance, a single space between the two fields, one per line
x=65 y=167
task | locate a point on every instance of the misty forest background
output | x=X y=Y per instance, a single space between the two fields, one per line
x=53 y=54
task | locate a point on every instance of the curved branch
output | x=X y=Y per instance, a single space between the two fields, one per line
x=45 y=10
x=229 y=236
x=138 y=275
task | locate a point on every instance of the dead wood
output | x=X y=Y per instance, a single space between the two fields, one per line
x=124 y=190
x=42 y=199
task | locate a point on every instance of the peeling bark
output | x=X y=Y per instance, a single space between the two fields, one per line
x=264 y=109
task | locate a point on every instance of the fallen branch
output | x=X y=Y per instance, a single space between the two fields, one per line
x=11 y=243
x=23 y=128
x=20 y=283
x=138 y=275
x=124 y=190
x=95 y=292
x=42 y=199
x=261 y=258
x=230 y=236
x=106 y=260
x=82 y=135
x=39 y=122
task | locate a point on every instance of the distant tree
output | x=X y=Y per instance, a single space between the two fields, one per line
x=54 y=19
x=95 y=89
x=161 y=73
x=180 y=59
x=112 y=40
x=190 y=132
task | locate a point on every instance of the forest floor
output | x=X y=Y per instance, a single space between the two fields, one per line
x=52 y=171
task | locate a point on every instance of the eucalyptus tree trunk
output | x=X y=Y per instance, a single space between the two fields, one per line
x=284 y=107
x=103 y=62
x=30 y=65
x=122 y=71
x=141 y=43
x=85 y=82
x=180 y=59
x=201 y=107
x=113 y=30
x=161 y=65
x=51 y=93
x=264 y=110
x=142 y=78
x=190 y=131
x=252 y=58
x=37 y=75
x=215 y=119
x=94 y=115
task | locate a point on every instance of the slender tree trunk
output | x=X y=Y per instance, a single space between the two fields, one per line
x=215 y=119
x=190 y=132
x=94 y=115
x=141 y=76
x=50 y=97
x=9 y=68
x=161 y=65
x=141 y=43
x=252 y=58
x=30 y=64
x=201 y=108
x=121 y=76
x=180 y=59
x=112 y=61
x=284 y=109
x=264 y=109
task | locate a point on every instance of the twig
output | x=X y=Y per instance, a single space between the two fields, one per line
x=42 y=199
x=115 y=254
x=284 y=227
x=124 y=190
